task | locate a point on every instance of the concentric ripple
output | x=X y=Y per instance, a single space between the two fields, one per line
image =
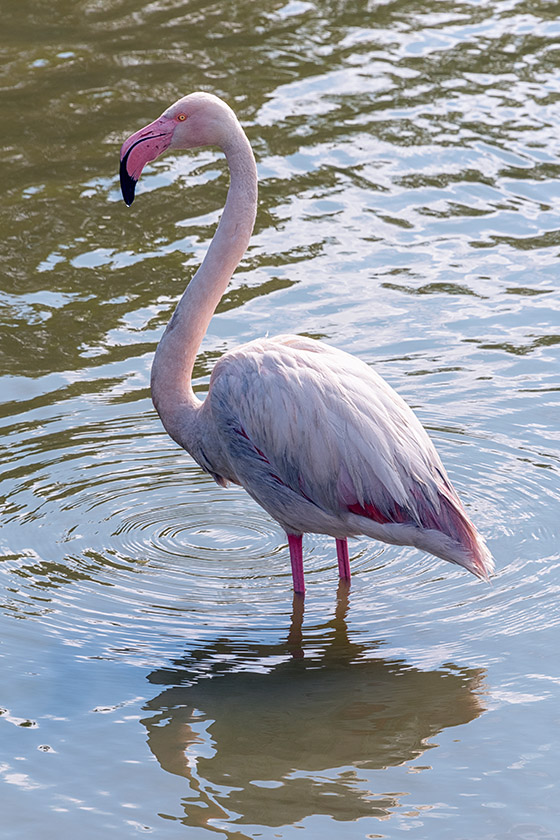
x=142 y=546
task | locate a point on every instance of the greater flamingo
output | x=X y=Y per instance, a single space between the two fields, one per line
x=313 y=434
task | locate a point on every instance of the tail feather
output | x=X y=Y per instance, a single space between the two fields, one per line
x=452 y=520
x=443 y=529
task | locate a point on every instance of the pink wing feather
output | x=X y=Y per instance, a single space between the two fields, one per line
x=315 y=434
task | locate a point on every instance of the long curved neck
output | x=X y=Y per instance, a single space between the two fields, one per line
x=175 y=356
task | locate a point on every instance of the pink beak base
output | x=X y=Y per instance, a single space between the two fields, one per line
x=140 y=148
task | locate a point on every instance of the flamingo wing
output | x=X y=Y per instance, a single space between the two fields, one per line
x=324 y=444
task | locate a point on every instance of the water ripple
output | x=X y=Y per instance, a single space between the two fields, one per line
x=143 y=546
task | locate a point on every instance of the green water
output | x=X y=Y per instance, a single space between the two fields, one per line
x=156 y=675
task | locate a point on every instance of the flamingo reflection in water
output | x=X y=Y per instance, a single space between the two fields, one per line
x=318 y=438
x=225 y=722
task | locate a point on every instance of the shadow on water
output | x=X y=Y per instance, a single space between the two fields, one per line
x=277 y=733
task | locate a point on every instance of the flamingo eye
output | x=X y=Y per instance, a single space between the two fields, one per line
x=181 y=117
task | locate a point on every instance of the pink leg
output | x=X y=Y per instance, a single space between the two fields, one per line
x=296 y=557
x=343 y=561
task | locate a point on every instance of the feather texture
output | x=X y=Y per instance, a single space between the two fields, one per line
x=324 y=444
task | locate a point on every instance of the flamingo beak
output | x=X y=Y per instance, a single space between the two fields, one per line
x=140 y=148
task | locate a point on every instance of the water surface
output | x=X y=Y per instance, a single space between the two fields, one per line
x=158 y=676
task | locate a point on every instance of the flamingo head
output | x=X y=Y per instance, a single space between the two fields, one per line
x=199 y=119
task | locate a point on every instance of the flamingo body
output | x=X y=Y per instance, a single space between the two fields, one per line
x=313 y=434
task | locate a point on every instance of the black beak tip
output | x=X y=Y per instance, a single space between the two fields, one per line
x=128 y=184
